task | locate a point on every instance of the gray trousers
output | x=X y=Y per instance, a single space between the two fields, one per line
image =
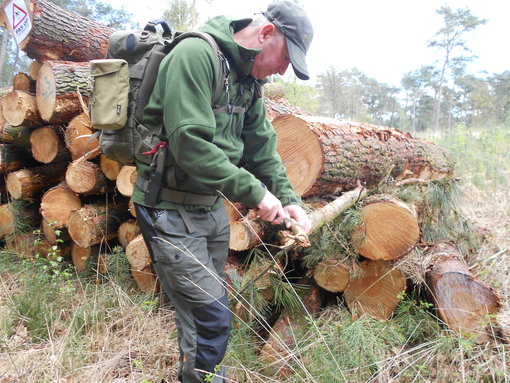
x=190 y=267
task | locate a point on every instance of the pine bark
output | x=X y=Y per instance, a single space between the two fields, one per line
x=58 y=85
x=58 y=34
x=462 y=301
x=30 y=183
x=13 y=157
x=325 y=156
x=16 y=135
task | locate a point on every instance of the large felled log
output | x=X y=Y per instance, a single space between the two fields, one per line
x=141 y=265
x=128 y=231
x=375 y=289
x=287 y=331
x=325 y=156
x=20 y=109
x=58 y=84
x=58 y=203
x=92 y=224
x=47 y=145
x=463 y=302
x=389 y=229
x=333 y=275
x=78 y=137
x=58 y=34
x=29 y=183
x=86 y=177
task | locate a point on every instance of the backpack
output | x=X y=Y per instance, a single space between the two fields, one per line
x=121 y=87
x=122 y=84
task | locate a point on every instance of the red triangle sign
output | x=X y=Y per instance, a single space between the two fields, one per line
x=18 y=15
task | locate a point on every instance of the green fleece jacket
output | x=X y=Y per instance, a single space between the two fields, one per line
x=207 y=149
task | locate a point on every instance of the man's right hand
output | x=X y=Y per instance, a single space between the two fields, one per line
x=270 y=209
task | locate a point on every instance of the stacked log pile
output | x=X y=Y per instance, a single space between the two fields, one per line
x=55 y=178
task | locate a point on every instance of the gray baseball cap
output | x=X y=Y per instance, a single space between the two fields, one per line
x=293 y=22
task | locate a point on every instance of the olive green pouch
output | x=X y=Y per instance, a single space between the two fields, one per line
x=108 y=104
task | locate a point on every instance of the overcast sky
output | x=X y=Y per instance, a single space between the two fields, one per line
x=383 y=39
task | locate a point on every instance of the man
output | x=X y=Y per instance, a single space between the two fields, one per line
x=188 y=241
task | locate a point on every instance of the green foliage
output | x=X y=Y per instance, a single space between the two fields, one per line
x=304 y=96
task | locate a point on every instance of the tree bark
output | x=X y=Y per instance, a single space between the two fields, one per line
x=324 y=156
x=58 y=34
x=374 y=289
x=389 y=229
x=23 y=82
x=58 y=203
x=14 y=157
x=141 y=265
x=30 y=183
x=58 y=85
x=48 y=145
x=20 y=109
x=78 y=137
x=128 y=231
x=94 y=223
x=463 y=302
x=16 y=135
x=85 y=177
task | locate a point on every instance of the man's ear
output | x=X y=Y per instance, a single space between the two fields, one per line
x=265 y=31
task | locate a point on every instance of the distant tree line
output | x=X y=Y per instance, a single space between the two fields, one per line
x=434 y=96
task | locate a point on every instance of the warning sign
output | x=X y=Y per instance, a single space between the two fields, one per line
x=17 y=14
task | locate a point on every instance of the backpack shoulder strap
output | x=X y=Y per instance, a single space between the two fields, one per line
x=222 y=79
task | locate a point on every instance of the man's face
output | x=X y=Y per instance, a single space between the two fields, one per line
x=274 y=57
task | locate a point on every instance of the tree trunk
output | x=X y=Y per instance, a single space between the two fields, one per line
x=324 y=156
x=13 y=217
x=58 y=34
x=110 y=168
x=462 y=301
x=29 y=245
x=85 y=177
x=58 y=84
x=141 y=265
x=374 y=290
x=246 y=233
x=16 y=135
x=92 y=224
x=128 y=231
x=126 y=180
x=22 y=81
x=287 y=331
x=20 y=109
x=77 y=137
x=30 y=183
x=48 y=145
x=13 y=157
x=389 y=229
x=82 y=256
x=58 y=203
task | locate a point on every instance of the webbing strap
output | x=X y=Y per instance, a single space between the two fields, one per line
x=179 y=196
x=230 y=109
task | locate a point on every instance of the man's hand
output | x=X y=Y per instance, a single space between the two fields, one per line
x=297 y=212
x=270 y=209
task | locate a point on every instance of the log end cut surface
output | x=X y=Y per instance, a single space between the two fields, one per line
x=300 y=150
x=57 y=204
x=389 y=231
x=45 y=92
x=45 y=144
x=374 y=289
x=6 y=220
x=81 y=228
x=332 y=275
